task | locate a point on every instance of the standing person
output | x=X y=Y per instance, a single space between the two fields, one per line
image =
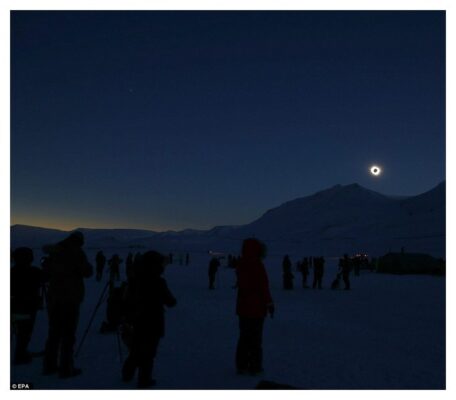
x=213 y=267
x=187 y=259
x=26 y=284
x=114 y=268
x=67 y=266
x=345 y=266
x=100 y=261
x=254 y=301
x=146 y=297
x=319 y=265
x=305 y=271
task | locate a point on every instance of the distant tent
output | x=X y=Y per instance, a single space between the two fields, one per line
x=410 y=263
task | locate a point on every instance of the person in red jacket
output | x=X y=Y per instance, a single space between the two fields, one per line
x=254 y=301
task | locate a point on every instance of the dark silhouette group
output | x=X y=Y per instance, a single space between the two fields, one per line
x=136 y=308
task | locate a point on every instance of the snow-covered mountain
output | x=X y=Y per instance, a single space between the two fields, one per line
x=352 y=218
x=340 y=219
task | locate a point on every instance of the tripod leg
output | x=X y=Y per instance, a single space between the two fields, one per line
x=119 y=346
x=100 y=301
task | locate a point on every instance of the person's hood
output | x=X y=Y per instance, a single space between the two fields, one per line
x=253 y=249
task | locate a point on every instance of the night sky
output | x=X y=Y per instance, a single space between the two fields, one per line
x=171 y=120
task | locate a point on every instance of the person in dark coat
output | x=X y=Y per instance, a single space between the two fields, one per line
x=345 y=266
x=100 y=261
x=145 y=317
x=319 y=269
x=287 y=274
x=213 y=267
x=254 y=301
x=26 y=286
x=66 y=268
x=305 y=271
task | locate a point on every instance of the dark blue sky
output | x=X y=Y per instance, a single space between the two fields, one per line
x=168 y=120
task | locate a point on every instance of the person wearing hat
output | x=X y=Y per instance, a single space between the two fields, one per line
x=66 y=269
x=254 y=302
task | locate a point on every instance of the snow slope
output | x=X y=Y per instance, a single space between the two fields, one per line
x=355 y=219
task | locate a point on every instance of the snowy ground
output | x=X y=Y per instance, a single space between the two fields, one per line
x=388 y=333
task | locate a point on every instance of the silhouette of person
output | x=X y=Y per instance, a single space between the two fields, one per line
x=146 y=297
x=254 y=301
x=66 y=268
x=114 y=268
x=305 y=271
x=26 y=284
x=100 y=261
x=287 y=274
x=345 y=266
x=319 y=264
x=187 y=259
x=213 y=267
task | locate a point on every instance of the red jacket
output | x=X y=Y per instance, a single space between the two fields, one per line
x=253 y=286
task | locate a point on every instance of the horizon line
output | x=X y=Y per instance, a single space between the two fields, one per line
x=207 y=229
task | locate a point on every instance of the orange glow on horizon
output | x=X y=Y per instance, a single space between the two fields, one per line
x=69 y=225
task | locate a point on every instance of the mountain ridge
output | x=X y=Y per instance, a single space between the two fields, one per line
x=342 y=216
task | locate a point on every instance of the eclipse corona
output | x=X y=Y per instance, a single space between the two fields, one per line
x=375 y=170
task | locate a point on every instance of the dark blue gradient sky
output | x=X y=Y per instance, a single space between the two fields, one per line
x=168 y=120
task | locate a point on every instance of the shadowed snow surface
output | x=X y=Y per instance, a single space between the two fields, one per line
x=388 y=332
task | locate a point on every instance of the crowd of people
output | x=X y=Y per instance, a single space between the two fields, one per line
x=135 y=309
